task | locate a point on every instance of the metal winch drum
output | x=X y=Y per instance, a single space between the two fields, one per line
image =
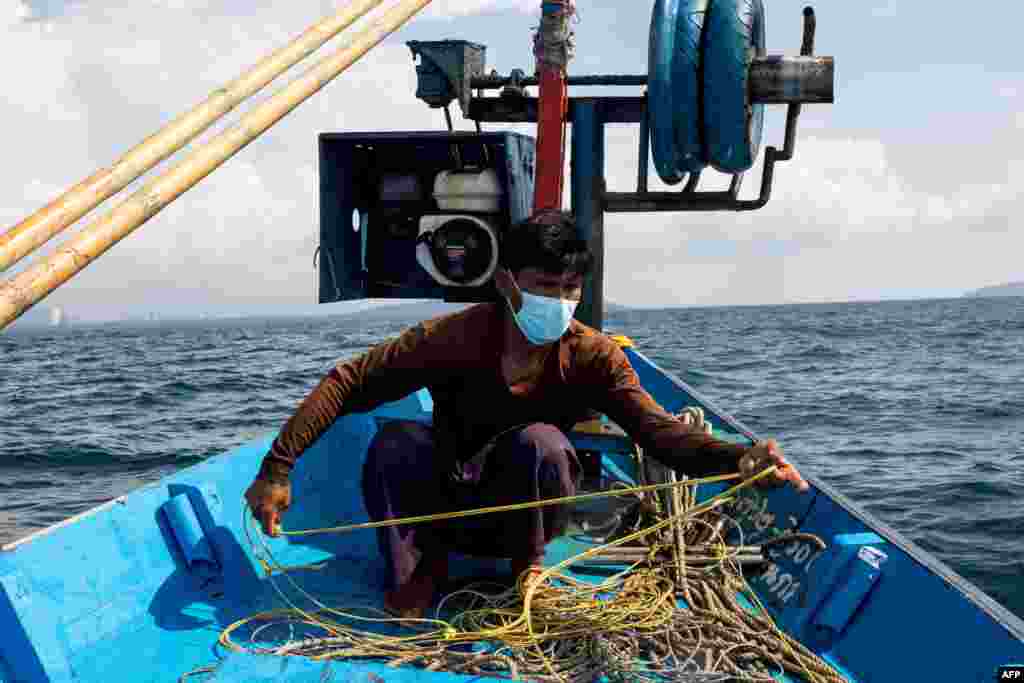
x=700 y=104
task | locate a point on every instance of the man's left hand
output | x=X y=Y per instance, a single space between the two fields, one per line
x=765 y=454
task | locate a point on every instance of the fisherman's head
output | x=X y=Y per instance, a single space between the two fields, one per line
x=543 y=263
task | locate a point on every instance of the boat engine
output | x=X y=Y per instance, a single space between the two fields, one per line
x=417 y=215
x=461 y=249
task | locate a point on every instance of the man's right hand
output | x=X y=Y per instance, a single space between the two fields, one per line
x=267 y=500
x=764 y=454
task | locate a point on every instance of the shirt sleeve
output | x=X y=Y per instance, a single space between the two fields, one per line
x=626 y=402
x=385 y=373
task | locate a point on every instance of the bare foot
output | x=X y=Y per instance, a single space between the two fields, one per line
x=412 y=599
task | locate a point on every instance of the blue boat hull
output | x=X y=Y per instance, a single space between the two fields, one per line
x=139 y=589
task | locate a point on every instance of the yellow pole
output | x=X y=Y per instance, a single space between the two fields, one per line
x=24 y=290
x=82 y=198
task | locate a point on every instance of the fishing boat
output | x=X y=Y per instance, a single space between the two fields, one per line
x=159 y=584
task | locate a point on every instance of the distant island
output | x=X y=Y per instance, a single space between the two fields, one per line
x=415 y=311
x=54 y=318
x=425 y=310
x=1009 y=289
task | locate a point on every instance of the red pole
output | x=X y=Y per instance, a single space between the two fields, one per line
x=551 y=48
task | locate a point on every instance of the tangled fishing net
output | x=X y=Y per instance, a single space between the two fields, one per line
x=674 y=606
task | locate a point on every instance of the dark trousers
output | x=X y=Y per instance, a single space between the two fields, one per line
x=404 y=476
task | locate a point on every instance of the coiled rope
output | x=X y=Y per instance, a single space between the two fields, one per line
x=555 y=628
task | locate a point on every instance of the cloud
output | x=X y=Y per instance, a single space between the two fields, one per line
x=37 y=9
x=22 y=11
x=844 y=222
x=43 y=10
x=249 y=231
x=26 y=11
x=852 y=215
x=457 y=8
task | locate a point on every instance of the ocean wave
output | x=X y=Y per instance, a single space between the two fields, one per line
x=179 y=388
x=982 y=410
x=815 y=352
x=93 y=455
x=975 y=491
x=738 y=365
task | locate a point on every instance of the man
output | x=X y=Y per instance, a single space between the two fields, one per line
x=508 y=380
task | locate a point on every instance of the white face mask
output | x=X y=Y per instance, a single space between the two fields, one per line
x=542 y=319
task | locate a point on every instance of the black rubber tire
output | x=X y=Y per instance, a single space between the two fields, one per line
x=734 y=33
x=661 y=98
x=686 y=83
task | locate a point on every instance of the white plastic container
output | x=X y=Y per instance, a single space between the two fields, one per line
x=468 y=191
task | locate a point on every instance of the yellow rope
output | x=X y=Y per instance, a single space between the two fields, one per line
x=273 y=567
x=554 y=628
x=515 y=506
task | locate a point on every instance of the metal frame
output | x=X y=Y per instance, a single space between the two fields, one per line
x=773 y=79
x=691 y=200
x=791 y=80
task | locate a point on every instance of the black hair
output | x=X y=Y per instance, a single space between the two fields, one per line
x=549 y=241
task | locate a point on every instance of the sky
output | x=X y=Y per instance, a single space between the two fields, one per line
x=906 y=187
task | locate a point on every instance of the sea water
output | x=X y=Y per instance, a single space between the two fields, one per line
x=914 y=410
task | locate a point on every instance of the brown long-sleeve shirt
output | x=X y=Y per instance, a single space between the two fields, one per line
x=457 y=357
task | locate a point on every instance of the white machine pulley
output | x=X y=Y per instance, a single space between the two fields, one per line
x=457 y=250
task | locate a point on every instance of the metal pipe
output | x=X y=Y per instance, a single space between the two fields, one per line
x=692 y=182
x=551 y=48
x=34 y=231
x=645 y=146
x=588 y=189
x=735 y=184
x=495 y=82
x=629 y=202
x=27 y=288
x=772 y=154
x=774 y=79
x=810 y=28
